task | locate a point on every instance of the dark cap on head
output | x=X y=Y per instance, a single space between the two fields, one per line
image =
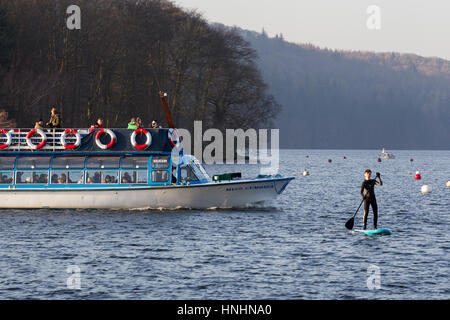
x=368 y=171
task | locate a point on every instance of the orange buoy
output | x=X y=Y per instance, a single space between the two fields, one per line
x=329 y=160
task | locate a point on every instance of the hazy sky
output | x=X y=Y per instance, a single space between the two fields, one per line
x=412 y=26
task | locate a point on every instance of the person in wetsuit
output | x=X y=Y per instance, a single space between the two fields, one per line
x=368 y=194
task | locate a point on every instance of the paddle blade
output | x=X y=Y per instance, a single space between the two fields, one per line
x=350 y=223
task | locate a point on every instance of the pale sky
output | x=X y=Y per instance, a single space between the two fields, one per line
x=407 y=26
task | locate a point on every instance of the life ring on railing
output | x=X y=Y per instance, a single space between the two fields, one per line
x=32 y=133
x=174 y=137
x=108 y=132
x=147 y=143
x=8 y=139
x=64 y=136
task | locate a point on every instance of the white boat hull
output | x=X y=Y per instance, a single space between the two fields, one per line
x=210 y=195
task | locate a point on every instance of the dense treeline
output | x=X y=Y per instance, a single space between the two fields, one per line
x=347 y=99
x=124 y=54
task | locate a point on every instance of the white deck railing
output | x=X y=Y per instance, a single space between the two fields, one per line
x=53 y=137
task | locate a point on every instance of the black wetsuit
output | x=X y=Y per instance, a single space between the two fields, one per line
x=370 y=200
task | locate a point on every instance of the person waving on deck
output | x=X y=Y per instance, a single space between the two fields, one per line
x=368 y=194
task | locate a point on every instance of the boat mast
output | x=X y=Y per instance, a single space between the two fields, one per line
x=163 y=96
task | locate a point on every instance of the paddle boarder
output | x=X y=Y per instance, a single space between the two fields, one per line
x=368 y=194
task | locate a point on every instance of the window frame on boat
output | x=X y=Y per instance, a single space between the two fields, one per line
x=32 y=174
x=67 y=175
x=141 y=170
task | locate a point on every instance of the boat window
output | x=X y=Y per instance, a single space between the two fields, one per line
x=7 y=163
x=6 y=177
x=104 y=176
x=33 y=163
x=192 y=170
x=67 y=177
x=68 y=163
x=136 y=176
x=102 y=162
x=160 y=162
x=160 y=176
x=36 y=177
x=135 y=163
x=187 y=174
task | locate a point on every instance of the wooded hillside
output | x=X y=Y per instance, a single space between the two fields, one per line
x=350 y=99
x=115 y=65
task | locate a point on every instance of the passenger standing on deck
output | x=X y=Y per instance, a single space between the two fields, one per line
x=97 y=125
x=139 y=122
x=132 y=124
x=39 y=124
x=368 y=186
x=154 y=125
x=55 y=120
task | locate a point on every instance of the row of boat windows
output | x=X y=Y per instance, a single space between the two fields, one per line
x=92 y=162
x=80 y=177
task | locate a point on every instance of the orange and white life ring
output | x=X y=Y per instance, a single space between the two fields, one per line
x=174 y=137
x=8 y=139
x=108 y=132
x=43 y=138
x=77 y=141
x=147 y=143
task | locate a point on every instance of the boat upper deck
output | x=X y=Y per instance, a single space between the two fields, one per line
x=87 y=141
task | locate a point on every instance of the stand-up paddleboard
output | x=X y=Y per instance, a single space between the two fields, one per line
x=377 y=232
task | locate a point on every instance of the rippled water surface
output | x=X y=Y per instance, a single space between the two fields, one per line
x=294 y=248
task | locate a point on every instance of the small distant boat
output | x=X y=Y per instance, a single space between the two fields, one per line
x=386 y=155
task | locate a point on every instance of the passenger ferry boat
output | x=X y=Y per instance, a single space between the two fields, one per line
x=116 y=169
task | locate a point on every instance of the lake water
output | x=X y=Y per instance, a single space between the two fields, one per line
x=294 y=248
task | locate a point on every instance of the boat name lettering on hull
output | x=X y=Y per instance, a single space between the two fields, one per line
x=270 y=186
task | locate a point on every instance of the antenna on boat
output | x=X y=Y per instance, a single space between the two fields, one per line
x=163 y=96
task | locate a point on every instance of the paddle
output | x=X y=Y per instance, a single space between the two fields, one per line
x=351 y=221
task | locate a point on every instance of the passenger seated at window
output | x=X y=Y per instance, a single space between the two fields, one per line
x=62 y=178
x=43 y=178
x=107 y=179
x=89 y=180
x=19 y=177
x=126 y=178
x=97 y=178
x=54 y=178
x=6 y=179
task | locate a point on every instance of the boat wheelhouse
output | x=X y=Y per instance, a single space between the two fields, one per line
x=116 y=169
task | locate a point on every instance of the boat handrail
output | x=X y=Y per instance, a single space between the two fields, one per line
x=53 y=137
x=16 y=139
